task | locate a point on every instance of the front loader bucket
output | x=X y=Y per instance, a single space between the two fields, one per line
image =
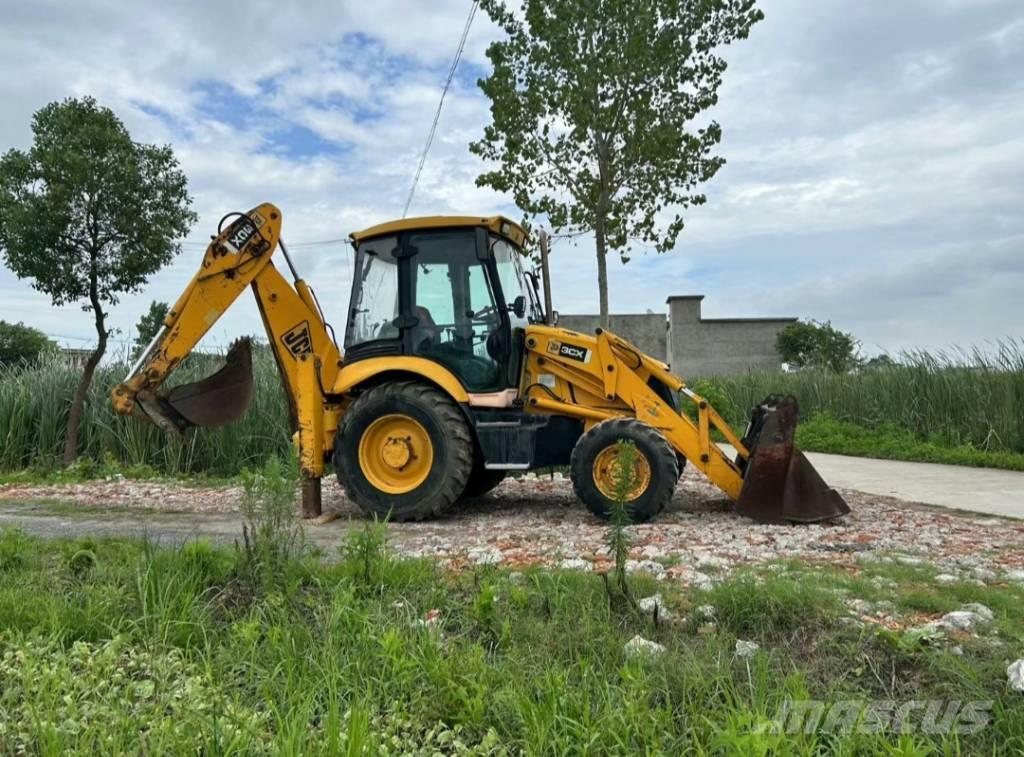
x=779 y=484
x=220 y=399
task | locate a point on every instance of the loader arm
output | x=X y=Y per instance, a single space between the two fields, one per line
x=306 y=354
x=604 y=377
x=614 y=379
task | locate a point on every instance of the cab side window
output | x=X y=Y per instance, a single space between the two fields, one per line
x=454 y=307
x=372 y=316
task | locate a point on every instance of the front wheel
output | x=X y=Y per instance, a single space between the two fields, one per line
x=404 y=451
x=597 y=470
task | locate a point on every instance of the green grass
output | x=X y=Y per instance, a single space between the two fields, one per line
x=823 y=433
x=112 y=646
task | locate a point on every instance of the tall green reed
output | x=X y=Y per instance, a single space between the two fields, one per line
x=34 y=402
x=956 y=397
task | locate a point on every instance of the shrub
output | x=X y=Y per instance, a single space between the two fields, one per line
x=22 y=344
x=272 y=536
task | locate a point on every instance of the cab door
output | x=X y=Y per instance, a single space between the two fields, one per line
x=458 y=318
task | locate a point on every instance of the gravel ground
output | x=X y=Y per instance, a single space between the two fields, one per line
x=537 y=520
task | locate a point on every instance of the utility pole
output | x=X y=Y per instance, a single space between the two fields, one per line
x=546 y=271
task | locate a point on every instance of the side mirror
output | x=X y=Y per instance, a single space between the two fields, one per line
x=519 y=306
x=554 y=317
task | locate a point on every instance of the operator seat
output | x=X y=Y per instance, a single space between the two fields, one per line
x=477 y=373
x=425 y=334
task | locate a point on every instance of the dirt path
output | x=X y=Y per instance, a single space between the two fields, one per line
x=538 y=520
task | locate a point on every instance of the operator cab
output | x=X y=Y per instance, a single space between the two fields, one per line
x=451 y=289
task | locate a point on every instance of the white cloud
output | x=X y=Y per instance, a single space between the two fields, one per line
x=868 y=148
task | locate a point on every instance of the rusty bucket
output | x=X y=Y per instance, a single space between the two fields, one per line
x=219 y=399
x=779 y=483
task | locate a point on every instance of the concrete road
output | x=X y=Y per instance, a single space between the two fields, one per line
x=983 y=490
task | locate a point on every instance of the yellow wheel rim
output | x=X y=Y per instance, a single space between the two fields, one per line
x=606 y=473
x=395 y=454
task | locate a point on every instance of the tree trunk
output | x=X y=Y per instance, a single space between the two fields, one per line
x=601 y=229
x=602 y=272
x=78 y=403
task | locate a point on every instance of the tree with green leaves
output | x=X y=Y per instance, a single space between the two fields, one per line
x=812 y=344
x=89 y=214
x=20 y=343
x=148 y=326
x=596 y=110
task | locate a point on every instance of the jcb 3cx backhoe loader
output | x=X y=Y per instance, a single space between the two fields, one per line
x=451 y=377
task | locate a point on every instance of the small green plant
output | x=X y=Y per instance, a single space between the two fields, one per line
x=171 y=596
x=486 y=613
x=81 y=562
x=625 y=476
x=366 y=549
x=14 y=549
x=271 y=533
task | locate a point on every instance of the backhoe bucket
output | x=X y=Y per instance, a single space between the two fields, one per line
x=779 y=484
x=220 y=399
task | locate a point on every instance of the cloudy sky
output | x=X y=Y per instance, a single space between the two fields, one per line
x=875 y=151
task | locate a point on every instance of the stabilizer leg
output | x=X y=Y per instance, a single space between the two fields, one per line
x=312 y=493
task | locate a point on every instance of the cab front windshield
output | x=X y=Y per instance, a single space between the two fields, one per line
x=514 y=282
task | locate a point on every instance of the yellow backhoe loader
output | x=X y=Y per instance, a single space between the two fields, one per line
x=452 y=375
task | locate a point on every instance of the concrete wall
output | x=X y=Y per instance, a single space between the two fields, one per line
x=692 y=345
x=648 y=331
x=717 y=346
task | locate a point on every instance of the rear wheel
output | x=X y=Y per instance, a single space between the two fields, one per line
x=404 y=450
x=596 y=469
x=481 y=480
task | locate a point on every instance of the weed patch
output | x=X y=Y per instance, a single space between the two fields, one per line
x=372 y=654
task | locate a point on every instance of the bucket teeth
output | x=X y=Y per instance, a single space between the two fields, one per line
x=219 y=399
x=779 y=484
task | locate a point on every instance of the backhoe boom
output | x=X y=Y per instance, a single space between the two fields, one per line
x=239 y=257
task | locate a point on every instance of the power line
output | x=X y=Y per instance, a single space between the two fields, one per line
x=91 y=340
x=440 y=104
x=321 y=242
x=292 y=245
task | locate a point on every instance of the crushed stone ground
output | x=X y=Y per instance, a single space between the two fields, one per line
x=537 y=520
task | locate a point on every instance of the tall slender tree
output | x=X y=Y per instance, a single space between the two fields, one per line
x=88 y=214
x=596 y=112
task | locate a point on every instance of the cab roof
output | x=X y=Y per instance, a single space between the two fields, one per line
x=497 y=224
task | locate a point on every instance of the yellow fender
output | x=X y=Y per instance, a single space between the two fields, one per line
x=354 y=374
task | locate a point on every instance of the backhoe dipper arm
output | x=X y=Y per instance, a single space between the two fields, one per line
x=239 y=256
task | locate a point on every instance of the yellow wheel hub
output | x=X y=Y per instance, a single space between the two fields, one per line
x=395 y=454
x=608 y=473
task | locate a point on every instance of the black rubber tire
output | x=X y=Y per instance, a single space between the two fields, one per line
x=481 y=480
x=449 y=434
x=649 y=443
